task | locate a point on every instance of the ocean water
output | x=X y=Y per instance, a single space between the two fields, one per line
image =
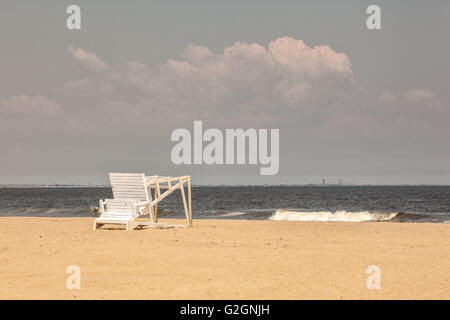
x=301 y=203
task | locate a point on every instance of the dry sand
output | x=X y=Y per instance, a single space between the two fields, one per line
x=224 y=259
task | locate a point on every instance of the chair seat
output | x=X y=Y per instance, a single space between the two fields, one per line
x=112 y=220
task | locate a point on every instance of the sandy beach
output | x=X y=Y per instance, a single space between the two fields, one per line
x=224 y=259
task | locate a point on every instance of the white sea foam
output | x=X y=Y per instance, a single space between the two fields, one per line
x=233 y=214
x=44 y=212
x=328 y=216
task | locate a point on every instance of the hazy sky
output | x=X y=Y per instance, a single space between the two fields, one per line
x=364 y=106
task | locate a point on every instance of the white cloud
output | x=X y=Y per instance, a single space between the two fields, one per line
x=88 y=60
x=312 y=62
x=247 y=82
x=29 y=106
x=286 y=84
x=419 y=99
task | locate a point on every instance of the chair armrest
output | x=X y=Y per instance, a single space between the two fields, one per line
x=142 y=203
x=102 y=206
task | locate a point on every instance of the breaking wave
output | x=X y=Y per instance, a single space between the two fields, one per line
x=233 y=214
x=328 y=216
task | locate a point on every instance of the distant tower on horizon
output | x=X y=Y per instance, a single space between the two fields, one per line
x=323 y=181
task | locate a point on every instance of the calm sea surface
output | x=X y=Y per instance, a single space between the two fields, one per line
x=307 y=203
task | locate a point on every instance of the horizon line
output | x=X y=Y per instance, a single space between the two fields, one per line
x=92 y=185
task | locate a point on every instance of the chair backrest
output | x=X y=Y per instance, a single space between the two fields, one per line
x=129 y=186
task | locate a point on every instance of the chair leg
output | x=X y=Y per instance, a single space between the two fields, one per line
x=97 y=225
x=131 y=225
x=151 y=213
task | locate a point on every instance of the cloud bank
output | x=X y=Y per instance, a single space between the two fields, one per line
x=247 y=82
x=88 y=60
x=29 y=106
x=309 y=93
x=287 y=83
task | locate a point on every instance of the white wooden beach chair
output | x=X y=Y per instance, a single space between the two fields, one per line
x=131 y=199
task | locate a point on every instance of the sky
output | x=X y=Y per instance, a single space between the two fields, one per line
x=365 y=106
